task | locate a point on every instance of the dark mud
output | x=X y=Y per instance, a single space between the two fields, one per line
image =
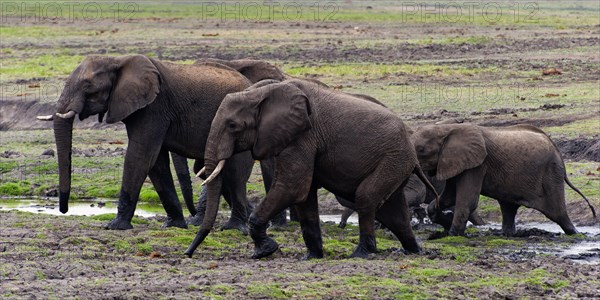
x=55 y=256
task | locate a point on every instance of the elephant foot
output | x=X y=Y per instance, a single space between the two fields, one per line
x=196 y=220
x=266 y=248
x=118 y=224
x=414 y=249
x=360 y=252
x=175 y=223
x=312 y=255
x=366 y=246
x=456 y=232
x=438 y=235
x=236 y=224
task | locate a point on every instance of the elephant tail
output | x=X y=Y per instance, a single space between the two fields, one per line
x=427 y=184
x=581 y=194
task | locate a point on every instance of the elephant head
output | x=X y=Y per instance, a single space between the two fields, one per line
x=448 y=150
x=264 y=118
x=115 y=86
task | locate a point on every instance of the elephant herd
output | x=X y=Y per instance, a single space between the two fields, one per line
x=227 y=114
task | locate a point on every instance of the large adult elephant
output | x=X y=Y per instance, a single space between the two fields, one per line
x=255 y=70
x=165 y=107
x=321 y=138
x=516 y=165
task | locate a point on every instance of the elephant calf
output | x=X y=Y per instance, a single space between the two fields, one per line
x=517 y=165
x=322 y=138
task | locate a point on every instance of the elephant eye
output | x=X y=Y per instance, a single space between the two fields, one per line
x=420 y=149
x=232 y=126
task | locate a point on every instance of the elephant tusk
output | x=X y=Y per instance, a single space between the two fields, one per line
x=45 y=118
x=201 y=172
x=215 y=172
x=68 y=115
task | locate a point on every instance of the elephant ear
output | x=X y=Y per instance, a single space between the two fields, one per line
x=463 y=149
x=136 y=85
x=283 y=115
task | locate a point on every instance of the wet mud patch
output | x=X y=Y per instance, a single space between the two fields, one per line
x=579 y=148
x=57 y=256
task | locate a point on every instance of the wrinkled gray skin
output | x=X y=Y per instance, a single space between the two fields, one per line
x=516 y=165
x=416 y=194
x=255 y=71
x=165 y=108
x=321 y=138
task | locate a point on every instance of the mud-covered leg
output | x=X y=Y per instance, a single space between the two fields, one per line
x=441 y=214
x=387 y=177
x=161 y=177
x=292 y=185
x=142 y=151
x=235 y=175
x=509 y=211
x=345 y=216
x=395 y=215
x=552 y=202
x=468 y=188
x=200 y=209
x=201 y=204
x=308 y=213
x=185 y=181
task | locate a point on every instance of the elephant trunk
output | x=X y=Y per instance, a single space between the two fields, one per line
x=212 y=202
x=63 y=134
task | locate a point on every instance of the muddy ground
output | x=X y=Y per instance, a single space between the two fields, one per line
x=73 y=257
x=404 y=64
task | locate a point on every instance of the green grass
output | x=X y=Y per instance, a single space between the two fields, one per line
x=500 y=14
x=41 y=32
x=357 y=71
x=45 y=65
x=587 y=127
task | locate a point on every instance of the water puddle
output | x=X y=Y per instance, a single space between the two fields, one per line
x=587 y=252
x=88 y=208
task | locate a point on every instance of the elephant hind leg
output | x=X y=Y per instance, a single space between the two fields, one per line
x=561 y=218
x=509 y=211
x=160 y=175
x=386 y=180
x=308 y=214
x=395 y=215
x=552 y=203
x=235 y=175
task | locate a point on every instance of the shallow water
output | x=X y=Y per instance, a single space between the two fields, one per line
x=87 y=208
x=587 y=252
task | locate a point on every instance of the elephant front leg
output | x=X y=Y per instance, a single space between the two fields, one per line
x=161 y=177
x=267 y=168
x=134 y=175
x=509 y=211
x=291 y=186
x=235 y=175
x=142 y=151
x=468 y=188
